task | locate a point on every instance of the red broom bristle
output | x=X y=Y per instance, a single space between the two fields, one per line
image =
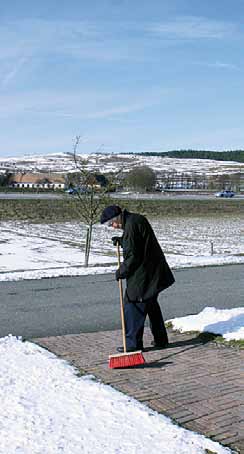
x=126 y=360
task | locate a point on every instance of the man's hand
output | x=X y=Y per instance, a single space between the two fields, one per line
x=117 y=275
x=116 y=240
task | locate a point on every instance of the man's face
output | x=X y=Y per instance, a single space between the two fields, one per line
x=116 y=225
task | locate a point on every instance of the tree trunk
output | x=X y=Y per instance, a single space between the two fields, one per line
x=88 y=244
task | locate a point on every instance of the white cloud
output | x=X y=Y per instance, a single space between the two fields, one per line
x=67 y=38
x=221 y=65
x=119 y=109
x=12 y=73
x=217 y=65
x=193 y=27
x=80 y=105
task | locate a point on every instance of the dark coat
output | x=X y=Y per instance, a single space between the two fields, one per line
x=144 y=266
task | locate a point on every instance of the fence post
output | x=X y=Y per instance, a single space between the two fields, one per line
x=212 y=249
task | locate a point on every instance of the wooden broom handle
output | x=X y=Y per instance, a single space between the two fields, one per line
x=121 y=301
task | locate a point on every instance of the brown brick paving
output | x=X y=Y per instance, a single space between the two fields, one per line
x=198 y=384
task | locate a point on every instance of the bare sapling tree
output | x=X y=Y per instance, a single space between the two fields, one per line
x=89 y=195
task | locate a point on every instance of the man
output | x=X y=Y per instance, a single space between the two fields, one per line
x=146 y=272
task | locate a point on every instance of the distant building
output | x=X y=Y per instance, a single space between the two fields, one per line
x=37 y=181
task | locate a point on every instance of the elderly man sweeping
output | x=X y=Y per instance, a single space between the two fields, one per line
x=147 y=273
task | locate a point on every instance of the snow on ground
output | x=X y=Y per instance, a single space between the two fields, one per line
x=35 y=251
x=227 y=322
x=48 y=409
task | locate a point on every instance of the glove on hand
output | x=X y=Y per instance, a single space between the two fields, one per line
x=117 y=275
x=115 y=240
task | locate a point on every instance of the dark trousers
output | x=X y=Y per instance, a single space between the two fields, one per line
x=135 y=316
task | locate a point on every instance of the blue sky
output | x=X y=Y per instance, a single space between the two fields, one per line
x=125 y=75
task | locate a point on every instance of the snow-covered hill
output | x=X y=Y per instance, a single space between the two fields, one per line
x=113 y=162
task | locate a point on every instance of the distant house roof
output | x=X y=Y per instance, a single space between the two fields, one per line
x=35 y=178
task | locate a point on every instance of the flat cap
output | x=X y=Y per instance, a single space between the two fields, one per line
x=109 y=213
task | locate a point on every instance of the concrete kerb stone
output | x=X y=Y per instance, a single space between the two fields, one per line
x=196 y=383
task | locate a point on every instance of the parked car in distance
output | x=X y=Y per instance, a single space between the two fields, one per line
x=225 y=193
x=74 y=191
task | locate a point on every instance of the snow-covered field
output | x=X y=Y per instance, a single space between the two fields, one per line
x=34 y=251
x=61 y=162
x=48 y=409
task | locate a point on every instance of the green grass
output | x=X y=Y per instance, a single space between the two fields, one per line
x=169 y=325
x=39 y=211
x=232 y=343
x=185 y=208
x=211 y=337
x=68 y=208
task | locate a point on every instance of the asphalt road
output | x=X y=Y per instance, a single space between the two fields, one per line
x=31 y=195
x=57 y=306
x=173 y=196
x=134 y=196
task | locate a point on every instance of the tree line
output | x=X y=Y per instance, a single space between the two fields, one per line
x=231 y=155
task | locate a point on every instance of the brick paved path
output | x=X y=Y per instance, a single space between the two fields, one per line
x=196 y=383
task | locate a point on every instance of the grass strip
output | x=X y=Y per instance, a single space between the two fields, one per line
x=69 y=209
x=206 y=337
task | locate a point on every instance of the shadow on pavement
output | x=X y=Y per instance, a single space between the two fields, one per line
x=201 y=339
x=184 y=346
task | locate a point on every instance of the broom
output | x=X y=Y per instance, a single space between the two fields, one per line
x=126 y=359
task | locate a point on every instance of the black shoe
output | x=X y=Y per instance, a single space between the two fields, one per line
x=160 y=344
x=121 y=349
